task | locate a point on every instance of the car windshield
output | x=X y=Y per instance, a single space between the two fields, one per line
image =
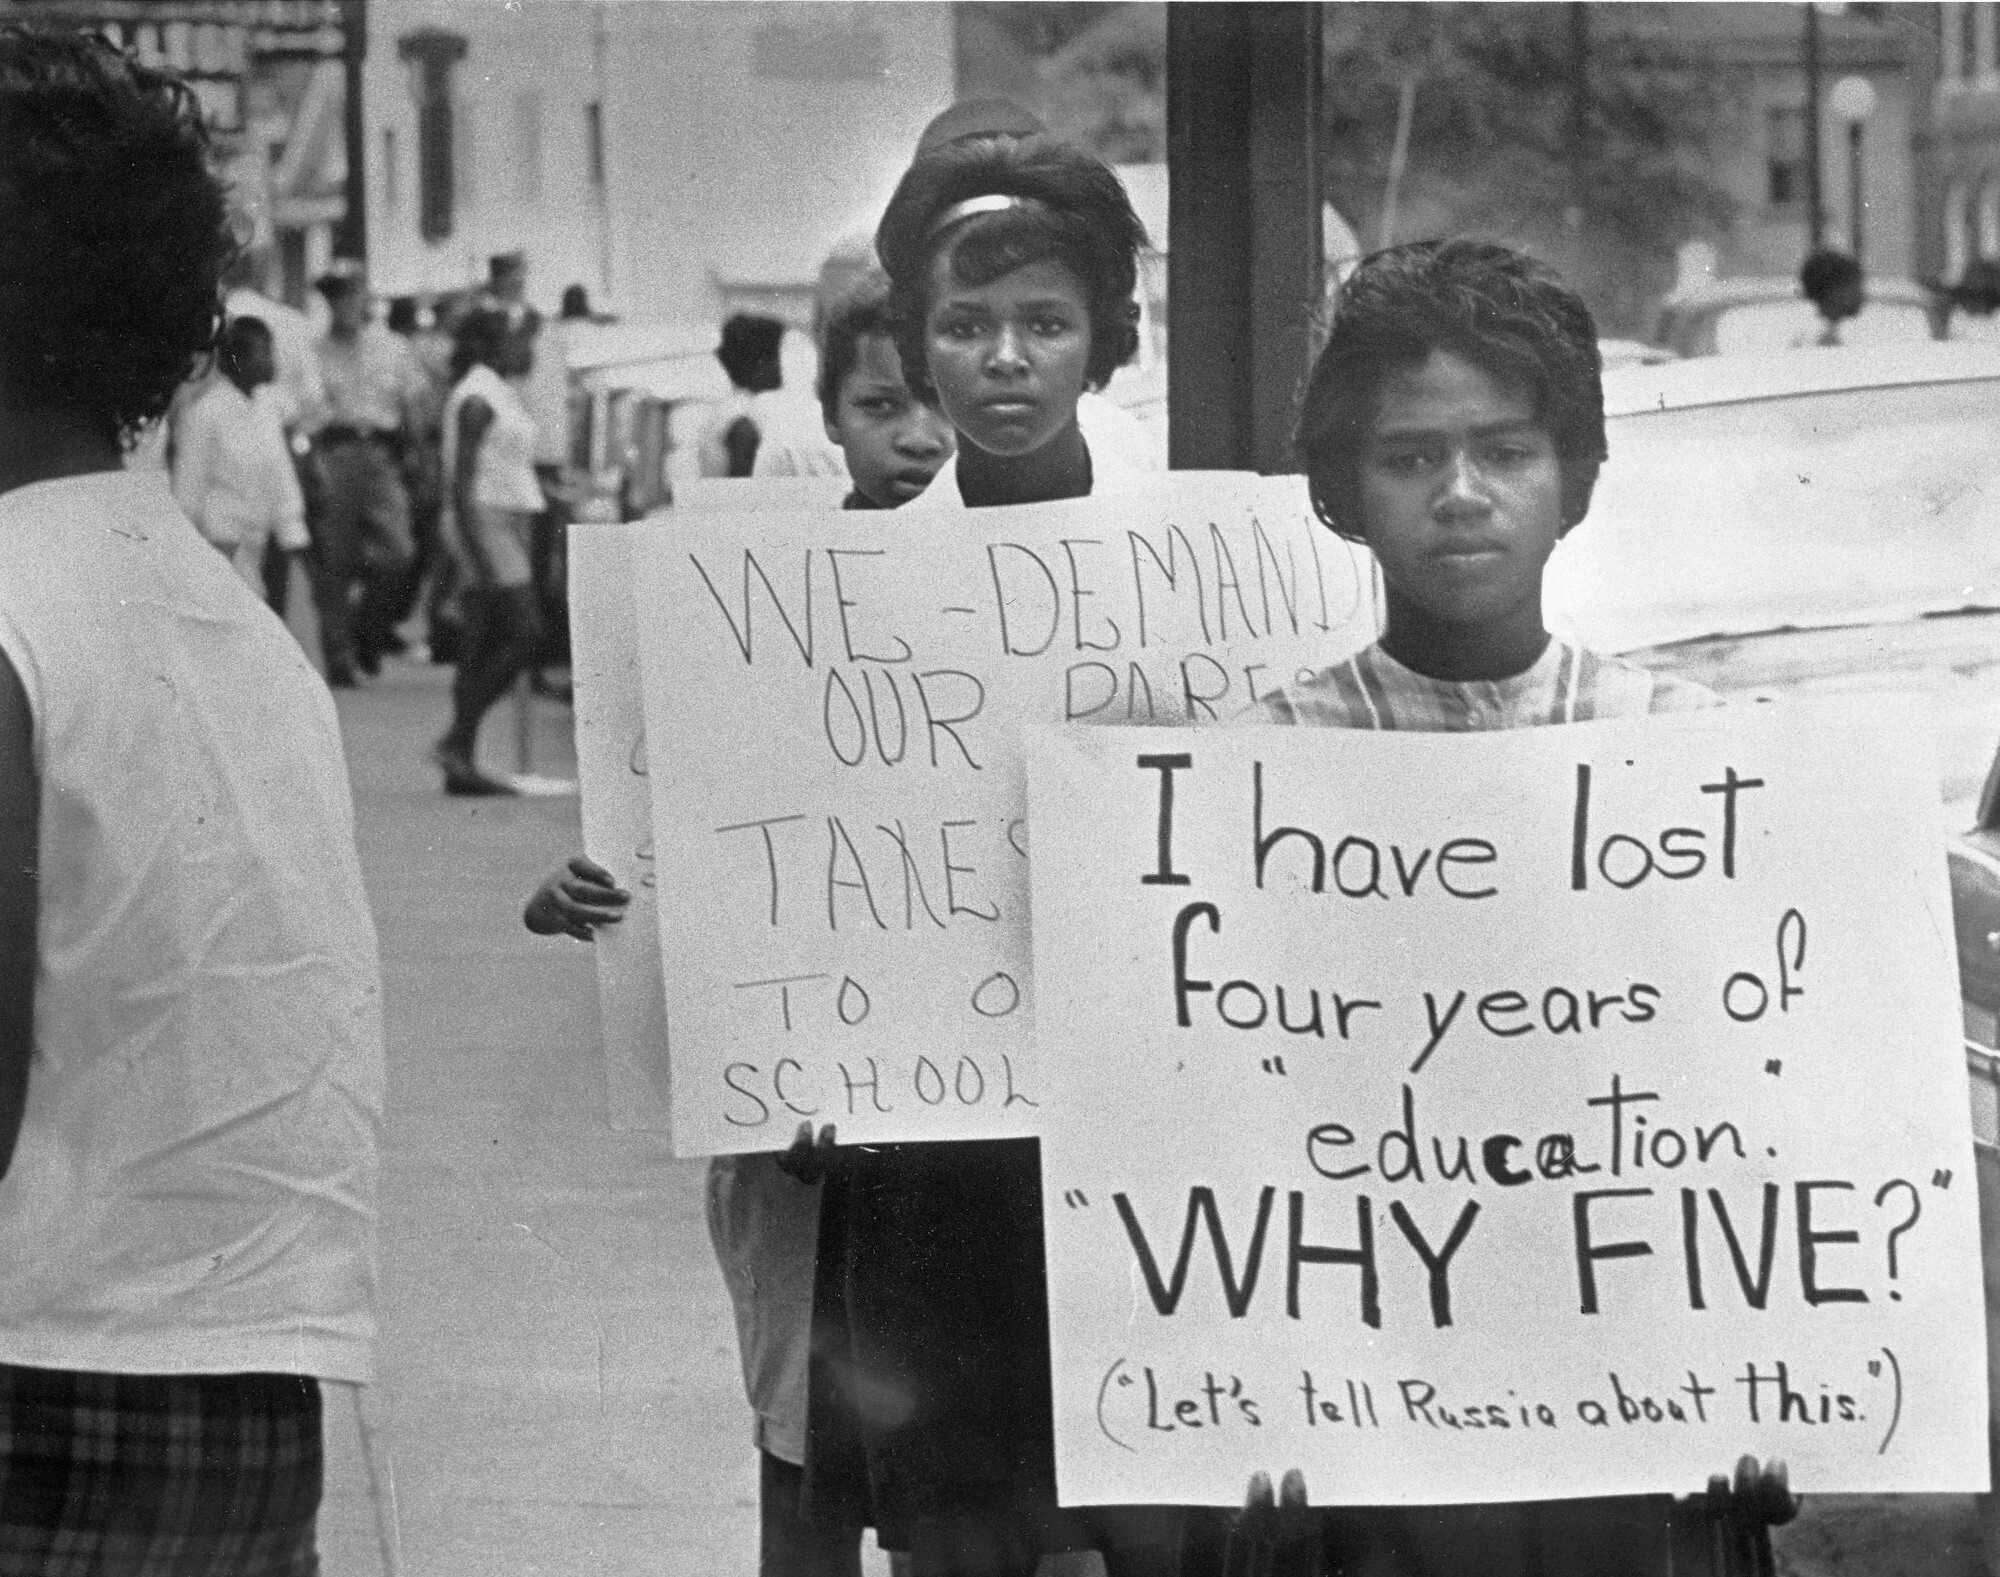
x=1783 y=325
x=1848 y=506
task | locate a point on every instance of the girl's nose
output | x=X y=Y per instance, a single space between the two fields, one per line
x=1461 y=487
x=1007 y=350
x=923 y=436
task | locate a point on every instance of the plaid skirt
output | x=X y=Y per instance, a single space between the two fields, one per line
x=117 y=1475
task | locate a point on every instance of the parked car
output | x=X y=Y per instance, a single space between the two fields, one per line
x=1766 y=313
x=1816 y=522
x=1805 y=522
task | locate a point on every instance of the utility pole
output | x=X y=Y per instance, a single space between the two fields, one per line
x=1246 y=263
x=351 y=240
x=1815 y=193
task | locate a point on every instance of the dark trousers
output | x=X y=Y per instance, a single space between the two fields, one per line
x=361 y=549
x=502 y=629
x=791 y=1542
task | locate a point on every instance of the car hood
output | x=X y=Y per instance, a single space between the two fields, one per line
x=1948 y=665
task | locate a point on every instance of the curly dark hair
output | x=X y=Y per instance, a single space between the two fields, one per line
x=114 y=232
x=1501 y=310
x=1076 y=213
x=857 y=312
x=478 y=338
x=1827 y=271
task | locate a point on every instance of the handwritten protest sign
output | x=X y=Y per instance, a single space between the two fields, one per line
x=832 y=706
x=1488 y=1117
x=618 y=817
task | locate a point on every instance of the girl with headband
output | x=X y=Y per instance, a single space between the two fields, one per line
x=1013 y=265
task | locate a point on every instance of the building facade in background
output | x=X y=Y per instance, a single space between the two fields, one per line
x=678 y=161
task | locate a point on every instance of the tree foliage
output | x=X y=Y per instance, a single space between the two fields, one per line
x=1605 y=171
x=1605 y=183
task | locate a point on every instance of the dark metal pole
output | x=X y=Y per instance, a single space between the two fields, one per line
x=351 y=240
x=1245 y=260
x=1854 y=187
x=1579 y=118
x=1815 y=194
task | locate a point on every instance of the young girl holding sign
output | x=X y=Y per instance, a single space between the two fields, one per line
x=762 y=1221
x=1454 y=424
x=1013 y=261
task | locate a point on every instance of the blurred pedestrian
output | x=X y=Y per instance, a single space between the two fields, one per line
x=422 y=474
x=190 y=1002
x=492 y=498
x=749 y=355
x=233 y=473
x=546 y=391
x=362 y=543
x=1832 y=281
x=295 y=392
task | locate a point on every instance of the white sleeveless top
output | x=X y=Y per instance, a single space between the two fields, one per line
x=194 y=1186
x=503 y=475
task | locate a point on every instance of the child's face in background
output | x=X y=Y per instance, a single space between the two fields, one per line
x=1461 y=502
x=894 y=443
x=1009 y=359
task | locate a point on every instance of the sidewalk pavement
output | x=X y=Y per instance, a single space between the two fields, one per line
x=560 y=1394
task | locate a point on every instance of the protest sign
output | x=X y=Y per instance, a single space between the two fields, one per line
x=832 y=709
x=618 y=818
x=1510 y=1116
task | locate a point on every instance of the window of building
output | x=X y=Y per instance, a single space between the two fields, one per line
x=528 y=147
x=1968 y=40
x=1986 y=229
x=392 y=174
x=431 y=55
x=1785 y=156
x=1957 y=233
x=1950 y=63
x=593 y=137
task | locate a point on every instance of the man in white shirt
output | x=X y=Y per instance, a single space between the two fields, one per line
x=233 y=470
x=364 y=546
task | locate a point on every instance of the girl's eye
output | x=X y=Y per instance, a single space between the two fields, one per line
x=958 y=328
x=1509 y=454
x=882 y=405
x=1405 y=462
x=1050 y=326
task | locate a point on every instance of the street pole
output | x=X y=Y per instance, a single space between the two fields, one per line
x=1815 y=196
x=1854 y=185
x=1246 y=263
x=352 y=241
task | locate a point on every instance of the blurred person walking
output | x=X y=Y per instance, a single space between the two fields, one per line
x=749 y=355
x=423 y=475
x=190 y=1000
x=492 y=498
x=294 y=392
x=233 y=472
x=1833 y=282
x=363 y=544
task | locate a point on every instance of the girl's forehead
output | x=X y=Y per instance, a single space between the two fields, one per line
x=1447 y=389
x=1040 y=279
x=875 y=358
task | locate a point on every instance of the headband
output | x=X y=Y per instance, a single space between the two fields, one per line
x=990 y=203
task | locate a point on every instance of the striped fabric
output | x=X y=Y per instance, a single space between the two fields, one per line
x=1566 y=685
x=118 y=1475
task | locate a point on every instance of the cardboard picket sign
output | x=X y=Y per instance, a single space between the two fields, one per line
x=1487 y=1117
x=618 y=817
x=832 y=704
